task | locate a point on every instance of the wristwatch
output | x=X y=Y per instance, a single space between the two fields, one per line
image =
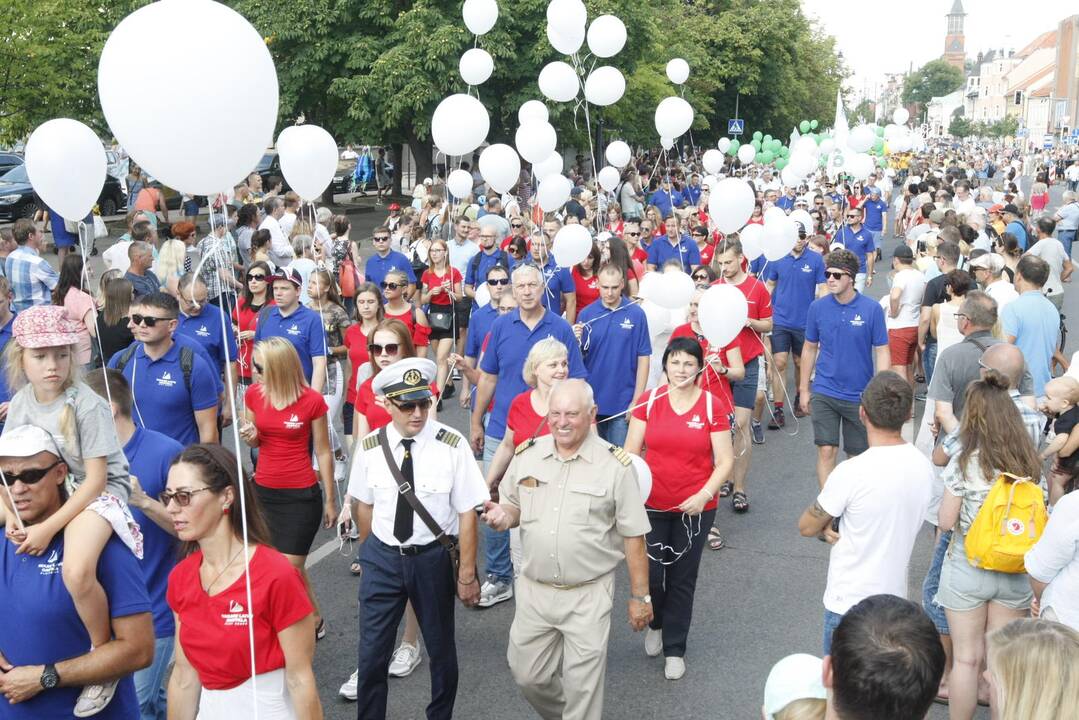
x=49 y=677
x=646 y=599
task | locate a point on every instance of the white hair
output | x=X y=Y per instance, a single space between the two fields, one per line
x=526 y=268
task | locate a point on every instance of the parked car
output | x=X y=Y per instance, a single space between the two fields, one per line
x=342 y=178
x=17 y=199
x=270 y=166
x=9 y=160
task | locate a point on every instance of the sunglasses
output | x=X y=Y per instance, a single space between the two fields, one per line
x=257 y=366
x=31 y=476
x=261 y=277
x=148 y=320
x=388 y=348
x=700 y=277
x=410 y=407
x=391 y=286
x=518 y=225
x=381 y=238
x=836 y=275
x=182 y=497
x=498 y=281
x=632 y=234
x=698 y=235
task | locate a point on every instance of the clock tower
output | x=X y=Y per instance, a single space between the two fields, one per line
x=954 y=42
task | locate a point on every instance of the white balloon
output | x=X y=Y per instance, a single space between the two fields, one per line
x=308 y=159
x=774 y=213
x=558 y=81
x=605 y=86
x=66 y=166
x=535 y=140
x=724 y=144
x=533 y=110
x=567 y=14
x=666 y=142
x=859 y=166
x=891 y=130
x=801 y=163
x=565 y=40
x=750 y=237
x=483 y=294
x=608 y=178
x=731 y=204
x=827 y=145
x=779 y=237
x=789 y=178
x=644 y=476
x=805 y=144
x=571 y=245
x=802 y=216
x=618 y=154
x=606 y=36
x=678 y=71
x=476 y=66
x=709 y=181
x=713 y=161
x=659 y=318
x=553 y=192
x=191 y=141
x=674 y=116
x=459 y=124
x=459 y=184
x=500 y=167
x=722 y=314
x=900 y=116
x=551 y=165
x=746 y=153
x=861 y=139
x=480 y=15
x=649 y=285
x=674 y=290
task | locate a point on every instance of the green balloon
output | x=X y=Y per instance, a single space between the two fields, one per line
x=756 y=145
x=733 y=149
x=758 y=135
x=878 y=144
x=781 y=163
x=818 y=138
x=812 y=124
x=776 y=145
x=804 y=126
x=823 y=162
x=882 y=162
x=784 y=152
x=767 y=157
x=880 y=132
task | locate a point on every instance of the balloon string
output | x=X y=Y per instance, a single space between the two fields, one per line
x=84 y=282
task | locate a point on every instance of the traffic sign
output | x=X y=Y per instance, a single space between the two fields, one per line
x=1022 y=132
x=1048 y=141
x=736 y=126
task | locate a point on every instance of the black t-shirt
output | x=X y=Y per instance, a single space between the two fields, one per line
x=114 y=338
x=1063 y=425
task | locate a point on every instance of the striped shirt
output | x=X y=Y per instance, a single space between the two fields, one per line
x=31 y=276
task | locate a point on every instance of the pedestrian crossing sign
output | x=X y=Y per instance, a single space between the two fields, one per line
x=736 y=126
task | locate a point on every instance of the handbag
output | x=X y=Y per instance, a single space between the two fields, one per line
x=100 y=229
x=405 y=488
x=440 y=319
x=348 y=277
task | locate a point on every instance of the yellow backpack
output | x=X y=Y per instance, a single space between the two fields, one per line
x=1008 y=524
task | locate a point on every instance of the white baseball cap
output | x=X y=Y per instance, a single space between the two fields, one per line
x=795 y=677
x=26 y=441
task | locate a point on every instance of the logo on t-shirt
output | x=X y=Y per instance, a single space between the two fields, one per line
x=202 y=332
x=166 y=379
x=857 y=321
x=294 y=330
x=52 y=565
x=293 y=423
x=627 y=324
x=806 y=268
x=694 y=423
x=235 y=616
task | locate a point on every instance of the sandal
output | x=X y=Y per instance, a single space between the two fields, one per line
x=740 y=502
x=715 y=540
x=726 y=489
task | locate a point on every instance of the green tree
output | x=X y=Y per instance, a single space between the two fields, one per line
x=960 y=127
x=931 y=80
x=1005 y=127
x=866 y=110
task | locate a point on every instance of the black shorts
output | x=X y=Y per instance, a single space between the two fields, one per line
x=786 y=340
x=832 y=416
x=462 y=312
x=292 y=515
x=347 y=416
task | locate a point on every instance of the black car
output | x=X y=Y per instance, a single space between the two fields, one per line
x=9 y=160
x=270 y=166
x=17 y=198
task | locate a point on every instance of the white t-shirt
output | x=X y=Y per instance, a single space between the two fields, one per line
x=1055 y=560
x=1002 y=291
x=1069 y=215
x=964 y=207
x=115 y=258
x=880 y=498
x=912 y=283
x=1051 y=251
x=287 y=222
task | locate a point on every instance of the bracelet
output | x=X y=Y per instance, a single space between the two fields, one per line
x=474 y=579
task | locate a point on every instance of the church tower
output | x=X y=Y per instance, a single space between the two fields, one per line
x=954 y=42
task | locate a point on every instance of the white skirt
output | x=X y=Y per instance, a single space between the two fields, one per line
x=274 y=702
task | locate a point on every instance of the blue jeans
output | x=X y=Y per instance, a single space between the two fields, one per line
x=496 y=544
x=613 y=431
x=1066 y=237
x=831 y=622
x=932 y=583
x=929 y=359
x=150 y=682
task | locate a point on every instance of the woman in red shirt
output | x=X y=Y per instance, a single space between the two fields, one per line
x=256 y=295
x=369 y=314
x=398 y=307
x=686 y=441
x=615 y=224
x=586 y=280
x=440 y=287
x=284 y=417
x=208 y=593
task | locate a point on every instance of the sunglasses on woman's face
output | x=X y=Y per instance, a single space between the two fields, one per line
x=182 y=497
x=391 y=286
x=252 y=277
x=147 y=320
x=701 y=277
x=30 y=477
x=388 y=348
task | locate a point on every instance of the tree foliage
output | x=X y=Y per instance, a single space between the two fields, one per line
x=960 y=127
x=931 y=80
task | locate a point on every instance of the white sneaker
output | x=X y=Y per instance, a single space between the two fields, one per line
x=406 y=658
x=348 y=690
x=94 y=698
x=653 y=642
x=674 y=668
x=492 y=593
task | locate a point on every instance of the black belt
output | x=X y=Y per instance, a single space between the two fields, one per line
x=413 y=550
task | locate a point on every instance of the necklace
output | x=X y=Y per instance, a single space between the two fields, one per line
x=227 y=566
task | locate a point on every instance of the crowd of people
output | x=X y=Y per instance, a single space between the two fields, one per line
x=598 y=433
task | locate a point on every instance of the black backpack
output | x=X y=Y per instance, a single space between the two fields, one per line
x=187 y=362
x=474 y=265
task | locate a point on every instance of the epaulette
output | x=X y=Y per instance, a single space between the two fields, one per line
x=524 y=446
x=620 y=455
x=450 y=438
x=370 y=442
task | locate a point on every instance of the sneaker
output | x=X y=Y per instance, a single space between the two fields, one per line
x=777 y=420
x=449 y=391
x=674 y=668
x=653 y=642
x=94 y=698
x=320 y=630
x=798 y=407
x=348 y=690
x=757 y=432
x=406 y=658
x=494 y=592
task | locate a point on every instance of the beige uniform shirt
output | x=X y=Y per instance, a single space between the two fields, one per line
x=576 y=512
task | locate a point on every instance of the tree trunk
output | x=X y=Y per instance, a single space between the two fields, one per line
x=399 y=171
x=421 y=156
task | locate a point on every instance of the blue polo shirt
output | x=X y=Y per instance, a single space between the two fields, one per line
x=685 y=251
x=1019 y=230
x=756 y=267
x=874 y=214
x=846 y=335
x=41 y=626
x=556 y=282
x=5 y=338
x=860 y=243
x=143 y=284
x=162 y=402
x=205 y=329
x=376 y=268
x=614 y=341
x=303 y=328
x=148 y=455
x=665 y=201
x=786 y=202
x=484 y=265
x=505 y=357
x=1035 y=324
x=479 y=324
x=691 y=194
x=796 y=280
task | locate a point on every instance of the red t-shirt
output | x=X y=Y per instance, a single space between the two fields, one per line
x=587 y=289
x=420 y=335
x=376 y=415
x=760 y=307
x=616 y=228
x=431 y=280
x=285 y=438
x=245 y=318
x=678 y=448
x=356 y=342
x=708 y=252
x=640 y=255
x=523 y=420
x=710 y=380
x=213 y=628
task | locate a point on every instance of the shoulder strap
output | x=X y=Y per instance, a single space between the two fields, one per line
x=708 y=406
x=405 y=488
x=978 y=343
x=187 y=362
x=125 y=357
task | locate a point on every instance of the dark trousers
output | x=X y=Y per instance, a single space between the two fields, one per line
x=672 y=586
x=390 y=580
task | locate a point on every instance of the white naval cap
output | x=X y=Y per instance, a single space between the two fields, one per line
x=406 y=380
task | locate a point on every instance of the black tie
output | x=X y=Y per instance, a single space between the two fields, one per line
x=402 y=519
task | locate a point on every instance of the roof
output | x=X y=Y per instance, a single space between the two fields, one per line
x=1047 y=39
x=1029 y=82
x=957 y=8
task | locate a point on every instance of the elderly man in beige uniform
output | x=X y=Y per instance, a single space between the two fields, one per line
x=576 y=499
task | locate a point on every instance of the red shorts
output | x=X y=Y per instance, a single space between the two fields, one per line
x=902 y=343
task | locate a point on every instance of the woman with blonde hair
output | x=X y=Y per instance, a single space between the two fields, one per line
x=284 y=417
x=398 y=307
x=440 y=288
x=1032 y=668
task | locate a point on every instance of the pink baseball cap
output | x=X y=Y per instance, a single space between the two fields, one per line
x=45 y=326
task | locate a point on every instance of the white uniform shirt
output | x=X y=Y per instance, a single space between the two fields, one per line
x=447 y=481
x=280 y=249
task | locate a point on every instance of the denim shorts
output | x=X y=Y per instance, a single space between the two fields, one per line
x=785 y=340
x=964 y=587
x=745 y=390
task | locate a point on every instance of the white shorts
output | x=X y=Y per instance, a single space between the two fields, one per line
x=274 y=701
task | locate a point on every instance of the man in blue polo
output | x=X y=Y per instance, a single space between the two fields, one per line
x=512 y=336
x=691 y=193
x=673 y=246
x=202 y=322
x=1016 y=226
x=614 y=339
x=854 y=236
x=480 y=263
x=786 y=200
x=384 y=260
x=174 y=389
x=665 y=198
x=479 y=324
x=846 y=343
x=876 y=214
x=559 y=292
x=794 y=281
x=300 y=325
